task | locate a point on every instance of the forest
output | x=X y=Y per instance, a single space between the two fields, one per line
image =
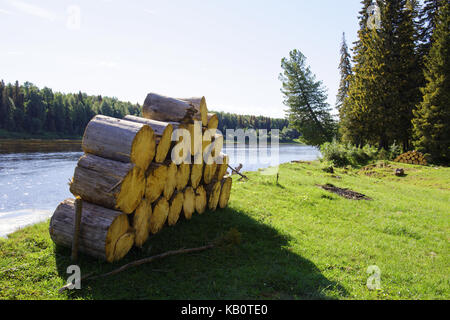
x=29 y=109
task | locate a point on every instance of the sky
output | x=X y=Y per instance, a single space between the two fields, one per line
x=226 y=50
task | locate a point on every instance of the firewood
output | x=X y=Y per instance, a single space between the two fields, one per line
x=141 y=222
x=213 y=121
x=183 y=175
x=222 y=167
x=161 y=108
x=199 y=104
x=111 y=184
x=213 y=194
x=196 y=174
x=171 y=180
x=159 y=215
x=189 y=202
x=120 y=140
x=175 y=207
x=225 y=192
x=104 y=233
x=163 y=135
x=156 y=179
x=200 y=199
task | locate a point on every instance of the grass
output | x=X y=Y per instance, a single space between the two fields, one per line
x=298 y=242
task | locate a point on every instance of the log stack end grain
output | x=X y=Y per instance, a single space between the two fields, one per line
x=412 y=157
x=130 y=185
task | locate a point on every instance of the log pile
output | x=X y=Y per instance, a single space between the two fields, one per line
x=412 y=157
x=140 y=174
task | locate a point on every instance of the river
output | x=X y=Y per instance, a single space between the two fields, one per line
x=34 y=175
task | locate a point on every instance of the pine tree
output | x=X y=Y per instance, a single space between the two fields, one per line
x=384 y=87
x=345 y=69
x=306 y=98
x=428 y=17
x=432 y=117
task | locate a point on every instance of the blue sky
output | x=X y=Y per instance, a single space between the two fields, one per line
x=228 y=51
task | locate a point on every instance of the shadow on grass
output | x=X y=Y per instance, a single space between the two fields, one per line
x=260 y=267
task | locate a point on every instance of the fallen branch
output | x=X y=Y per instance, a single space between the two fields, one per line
x=237 y=172
x=151 y=259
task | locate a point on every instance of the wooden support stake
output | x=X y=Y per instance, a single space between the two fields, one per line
x=76 y=227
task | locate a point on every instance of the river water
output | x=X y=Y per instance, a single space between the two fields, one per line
x=34 y=176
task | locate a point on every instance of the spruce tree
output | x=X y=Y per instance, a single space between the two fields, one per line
x=308 y=112
x=428 y=16
x=432 y=117
x=345 y=70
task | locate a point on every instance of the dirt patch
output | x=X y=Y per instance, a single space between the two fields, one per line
x=346 y=193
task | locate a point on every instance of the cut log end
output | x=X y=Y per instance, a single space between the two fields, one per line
x=156 y=179
x=189 y=202
x=183 y=175
x=159 y=216
x=200 y=200
x=176 y=205
x=171 y=182
x=141 y=222
x=213 y=194
x=225 y=192
x=131 y=191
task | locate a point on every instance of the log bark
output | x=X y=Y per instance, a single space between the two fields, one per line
x=159 y=215
x=175 y=207
x=120 y=140
x=100 y=230
x=200 y=199
x=213 y=194
x=225 y=191
x=199 y=104
x=163 y=135
x=156 y=179
x=141 y=222
x=111 y=184
x=162 y=108
x=189 y=202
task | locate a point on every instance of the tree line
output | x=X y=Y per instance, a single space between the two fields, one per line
x=26 y=108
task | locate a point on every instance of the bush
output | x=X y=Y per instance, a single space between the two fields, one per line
x=335 y=153
x=341 y=155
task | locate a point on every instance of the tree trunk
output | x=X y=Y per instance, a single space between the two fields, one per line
x=120 y=140
x=141 y=222
x=161 y=108
x=189 y=202
x=175 y=207
x=163 y=135
x=104 y=233
x=159 y=215
x=225 y=192
x=111 y=184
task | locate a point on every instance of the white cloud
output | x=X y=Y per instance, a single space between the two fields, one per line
x=152 y=12
x=33 y=10
x=109 y=64
x=5 y=11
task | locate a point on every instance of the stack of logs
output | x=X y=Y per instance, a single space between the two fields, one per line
x=412 y=157
x=139 y=174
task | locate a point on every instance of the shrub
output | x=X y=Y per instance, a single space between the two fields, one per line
x=335 y=153
x=341 y=155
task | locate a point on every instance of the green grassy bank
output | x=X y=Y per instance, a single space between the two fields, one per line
x=298 y=242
